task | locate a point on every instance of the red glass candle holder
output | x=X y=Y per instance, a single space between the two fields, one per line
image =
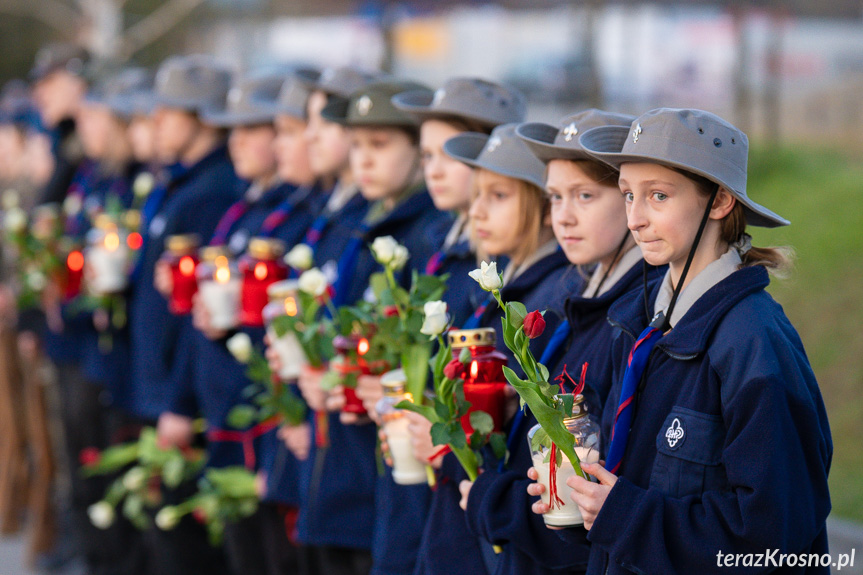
x=484 y=382
x=352 y=363
x=182 y=258
x=74 y=273
x=260 y=267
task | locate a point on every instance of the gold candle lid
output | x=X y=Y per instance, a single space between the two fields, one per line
x=394 y=382
x=132 y=219
x=105 y=222
x=579 y=408
x=461 y=338
x=210 y=253
x=266 y=248
x=182 y=244
x=282 y=289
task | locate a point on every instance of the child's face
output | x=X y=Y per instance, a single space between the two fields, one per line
x=663 y=209
x=292 y=152
x=448 y=180
x=327 y=141
x=588 y=218
x=384 y=161
x=251 y=149
x=142 y=137
x=495 y=214
x=98 y=130
x=174 y=131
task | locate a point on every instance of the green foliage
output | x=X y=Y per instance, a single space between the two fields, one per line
x=267 y=397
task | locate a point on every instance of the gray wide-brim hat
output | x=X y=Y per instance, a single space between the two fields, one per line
x=293 y=95
x=126 y=93
x=372 y=106
x=548 y=142
x=344 y=81
x=195 y=83
x=69 y=58
x=690 y=140
x=243 y=106
x=474 y=99
x=502 y=152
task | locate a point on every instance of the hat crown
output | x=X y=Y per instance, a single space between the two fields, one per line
x=246 y=96
x=343 y=81
x=496 y=103
x=196 y=82
x=294 y=96
x=550 y=142
x=373 y=106
x=125 y=82
x=576 y=124
x=502 y=152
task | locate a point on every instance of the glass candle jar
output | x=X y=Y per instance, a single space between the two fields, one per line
x=73 y=274
x=407 y=469
x=182 y=257
x=219 y=285
x=349 y=351
x=260 y=267
x=107 y=257
x=564 y=512
x=484 y=384
x=284 y=302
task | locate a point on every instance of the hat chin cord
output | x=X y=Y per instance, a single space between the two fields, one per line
x=662 y=320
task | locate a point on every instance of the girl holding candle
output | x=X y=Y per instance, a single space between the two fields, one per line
x=510 y=218
x=719 y=378
x=589 y=220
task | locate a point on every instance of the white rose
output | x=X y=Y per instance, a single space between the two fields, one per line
x=436 y=318
x=240 y=346
x=72 y=205
x=36 y=281
x=134 y=479
x=384 y=249
x=167 y=518
x=300 y=257
x=400 y=258
x=101 y=514
x=143 y=184
x=487 y=276
x=11 y=199
x=15 y=220
x=313 y=282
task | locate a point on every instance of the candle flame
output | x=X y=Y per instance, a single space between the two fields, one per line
x=223 y=274
x=291 y=306
x=260 y=271
x=187 y=266
x=75 y=261
x=363 y=346
x=112 y=241
x=474 y=369
x=134 y=241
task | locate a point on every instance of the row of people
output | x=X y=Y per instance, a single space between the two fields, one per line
x=630 y=232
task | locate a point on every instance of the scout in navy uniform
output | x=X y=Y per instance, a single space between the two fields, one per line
x=59 y=85
x=197 y=186
x=589 y=220
x=509 y=217
x=719 y=438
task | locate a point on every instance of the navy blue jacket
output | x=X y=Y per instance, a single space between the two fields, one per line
x=196 y=199
x=499 y=506
x=748 y=472
x=448 y=546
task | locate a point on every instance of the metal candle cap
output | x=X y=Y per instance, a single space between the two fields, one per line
x=281 y=290
x=266 y=248
x=182 y=244
x=461 y=338
x=211 y=253
x=394 y=382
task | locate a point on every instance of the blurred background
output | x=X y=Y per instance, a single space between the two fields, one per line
x=789 y=73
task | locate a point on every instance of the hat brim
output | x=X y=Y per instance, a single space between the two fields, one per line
x=418 y=103
x=606 y=142
x=467 y=147
x=137 y=104
x=337 y=109
x=540 y=138
x=234 y=120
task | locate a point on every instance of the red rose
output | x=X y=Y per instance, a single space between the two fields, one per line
x=199 y=515
x=534 y=325
x=454 y=370
x=89 y=456
x=390 y=311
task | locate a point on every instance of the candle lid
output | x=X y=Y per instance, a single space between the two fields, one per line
x=266 y=248
x=461 y=338
x=579 y=408
x=210 y=253
x=132 y=219
x=394 y=382
x=282 y=289
x=105 y=222
x=182 y=244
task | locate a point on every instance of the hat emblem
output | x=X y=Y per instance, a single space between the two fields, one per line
x=364 y=105
x=570 y=132
x=635 y=133
x=493 y=144
x=439 y=95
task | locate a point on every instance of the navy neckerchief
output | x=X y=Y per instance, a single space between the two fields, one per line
x=550 y=356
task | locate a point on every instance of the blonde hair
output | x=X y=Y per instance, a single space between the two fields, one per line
x=533 y=208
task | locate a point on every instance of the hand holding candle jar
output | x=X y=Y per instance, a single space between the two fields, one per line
x=260 y=266
x=182 y=258
x=107 y=257
x=407 y=469
x=285 y=302
x=219 y=284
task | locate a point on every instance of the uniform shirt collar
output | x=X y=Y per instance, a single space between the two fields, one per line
x=512 y=272
x=629 y=259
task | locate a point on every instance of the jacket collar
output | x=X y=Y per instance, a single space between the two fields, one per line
x=692 y=333
x=182 y=173
x=411 y=209
x=582 y=310
x=533 y=276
